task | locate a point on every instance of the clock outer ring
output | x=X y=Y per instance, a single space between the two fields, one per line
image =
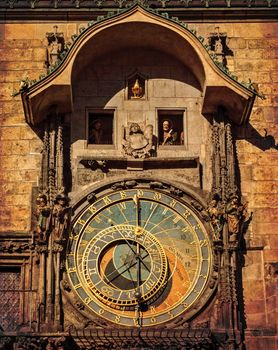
x=202 y=297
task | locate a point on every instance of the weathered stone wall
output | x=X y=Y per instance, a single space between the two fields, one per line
x=254 y=49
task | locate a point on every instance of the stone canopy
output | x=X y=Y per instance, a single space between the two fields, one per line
x=141 y=28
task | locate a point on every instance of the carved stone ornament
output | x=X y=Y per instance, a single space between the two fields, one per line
x=124 y=185
x=13 y=247
x=139 y=144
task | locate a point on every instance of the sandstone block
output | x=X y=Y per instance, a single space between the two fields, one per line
x=265 y=172
x=274 y=76
x=237 y=43
x=270 y=255
x=257 y=43
x=265 y=187
x=265 y=215
x=265 y=201
x=16 y=55
x=26 y=133
x=30 y=175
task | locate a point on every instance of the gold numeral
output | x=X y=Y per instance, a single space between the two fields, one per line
x=203 y=243
x=153 y=320
x=170 y=314
x=92 y=209
x=153 y=309
x=157 y=196
x=87 y=300
x=123 y=194
x=186 y=214
x=140 y=193
x=100 y=311
x=89 y=229
x=106 y=200
x=78 y=286
x=173 y=203
x=176 y=219
x=81 y=222
x=123 y=205
x=118 y=319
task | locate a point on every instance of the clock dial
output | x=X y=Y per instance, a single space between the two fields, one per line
x=139 y=257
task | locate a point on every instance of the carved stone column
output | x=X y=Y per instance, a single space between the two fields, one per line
x=52 y=224
x=226 y=215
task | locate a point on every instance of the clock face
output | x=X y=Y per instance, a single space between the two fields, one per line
x=139 y=257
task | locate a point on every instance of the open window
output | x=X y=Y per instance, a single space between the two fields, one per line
x=171 y=127
x=100 y=127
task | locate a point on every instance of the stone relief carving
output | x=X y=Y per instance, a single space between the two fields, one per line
x=137 y=143
x=13 y=247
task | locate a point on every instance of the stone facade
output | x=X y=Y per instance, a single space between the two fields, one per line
x=253 y=50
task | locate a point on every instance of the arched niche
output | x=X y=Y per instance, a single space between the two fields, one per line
x=138 y=27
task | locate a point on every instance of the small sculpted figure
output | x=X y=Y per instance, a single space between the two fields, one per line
x=42 y=214
x=236 y=212
x=216 y=218
x=60 y=217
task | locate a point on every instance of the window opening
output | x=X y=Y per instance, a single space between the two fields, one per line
x=100 y=127
x=171 y=127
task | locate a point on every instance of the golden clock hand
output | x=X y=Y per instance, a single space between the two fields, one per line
x=136 y=201
x=138 y=257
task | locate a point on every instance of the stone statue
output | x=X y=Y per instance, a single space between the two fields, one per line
x=60 y=216
x=236 y=212
x=42 y=214
x=138 y=144
x=216 y=218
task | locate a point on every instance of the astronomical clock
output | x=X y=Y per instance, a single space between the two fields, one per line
x=140 y=255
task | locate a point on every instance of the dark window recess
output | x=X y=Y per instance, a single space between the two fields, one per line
x=170 y=126
x=100 y=128
x=9 y=298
